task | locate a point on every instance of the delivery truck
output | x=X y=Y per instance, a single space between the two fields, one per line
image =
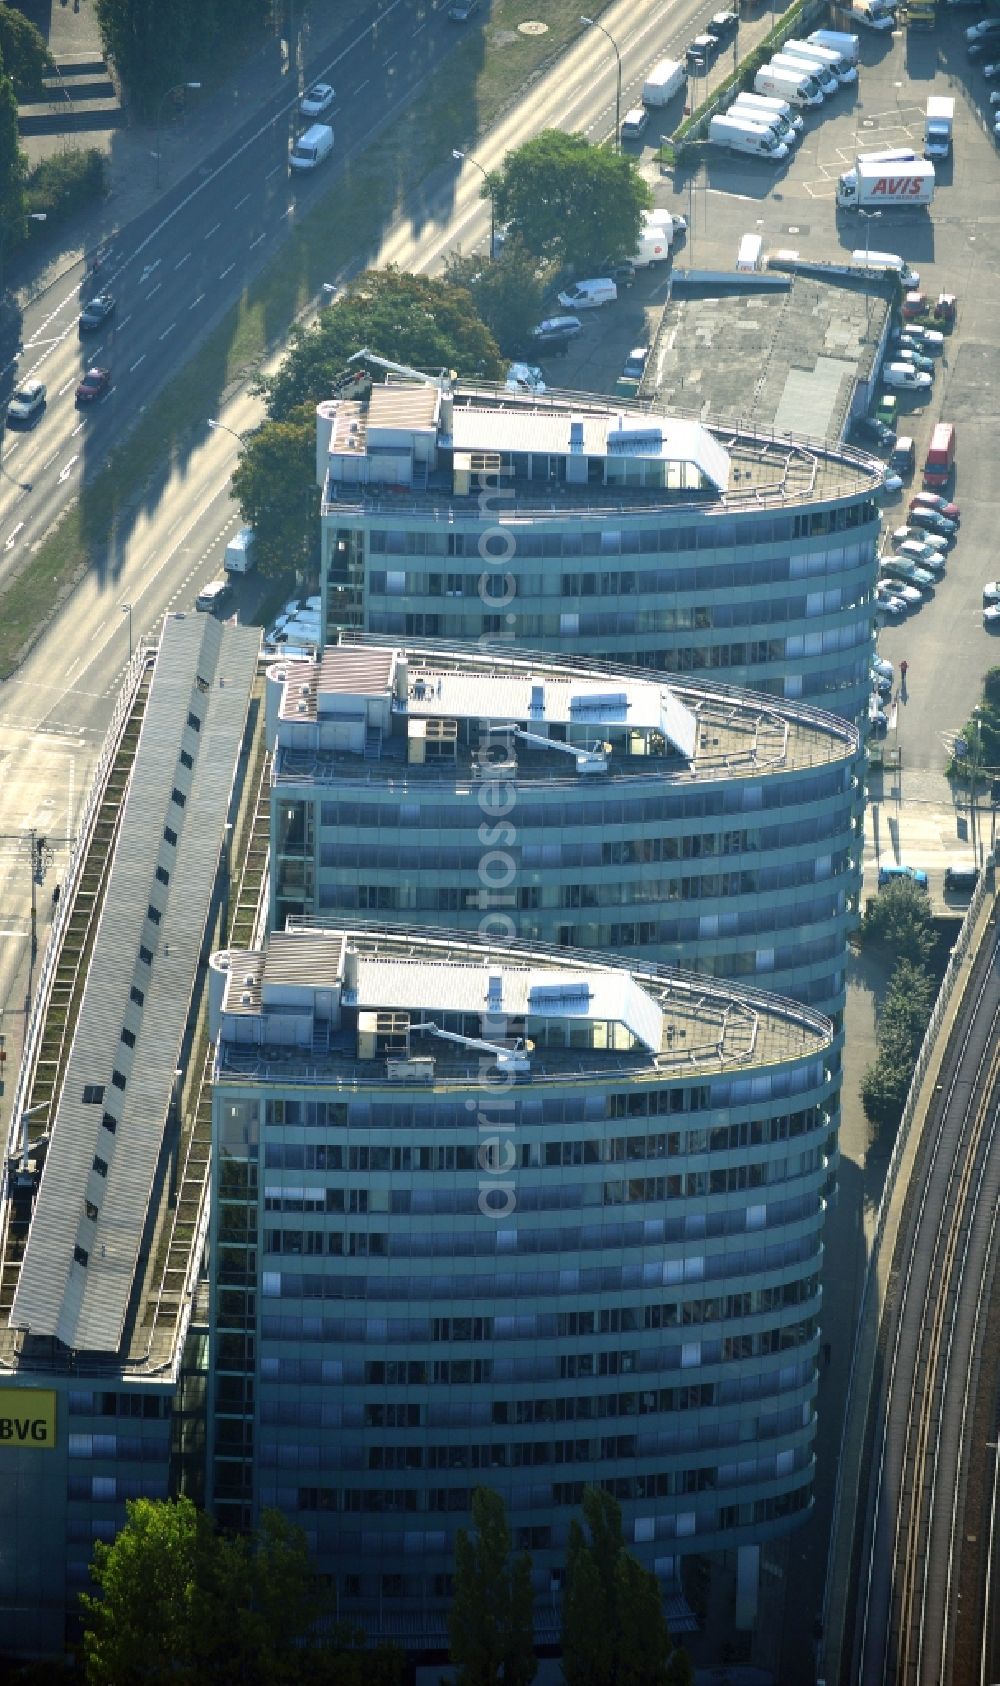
x=843 y=70
x=666 y=79
x=906 y=185
x=814 y=78
x=777 y=108
x=848 y=46
x=738 y=136
x=756 y=109
x=786 y=85
x=939 y=122
x=657 y=234
x=240 y=556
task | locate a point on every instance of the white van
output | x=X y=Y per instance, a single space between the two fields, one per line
x=311 y=148
x=748 y=258
x=773 y=108
x=814 y=77
x=588 y=295
x=239 y=552
x=887 y=263
x=211 y=597
x=666 y=79
x=787 y=86
x=842 y=69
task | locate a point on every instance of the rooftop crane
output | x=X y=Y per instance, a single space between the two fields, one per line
x=508 y=1059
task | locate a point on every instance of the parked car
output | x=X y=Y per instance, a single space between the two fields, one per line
x=925 y=339
x=96 y=312
x=991 y=615
x=319 y=99
x=555 y=329
x=461 y=10
x=937 y=504
x=934 y=522
x=525 y=377
x=723 y=25
x=983 y=31
x=891 y=874
x=910 y=572
x=991 y=591
x=924 y=555
x=26 y=403
x=635 y=123
x=635 y=363
x=901 y=375
x=946 y=308
x=919 y=535
x=874 y=431
x=916 y=359
x=916 y=304
x=992 y=71
x=95 y=383
x=883 y=668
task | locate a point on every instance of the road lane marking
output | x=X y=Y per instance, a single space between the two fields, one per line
x=125 y=320
x=12 y=449
x=135 y=365
x=65 y=472
x=169 y=330
x=363 y=84
x=182 y=261
x=227 y=271
x=49 y=461
x=153 y=291
x=78 y=429
x=258 y=240
x=195 y=302
x=148 y=270
x=213 y=230
x=387 y=62
x=273 y=172
x=241 y=202
x=13 y=535
x=65 y=387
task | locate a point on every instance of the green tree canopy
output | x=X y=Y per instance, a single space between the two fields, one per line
x=410 y=319
x=899 y=919
x=183 y=1605
x=507 y=294
x=614 y=1630
x=491 y=1621
x=13 y=172
x=567 y=200
x=154 y=46
x=275 y=485
x=901 y=1027
x=26 y=57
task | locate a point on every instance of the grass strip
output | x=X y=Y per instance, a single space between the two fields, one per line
x=486 y=74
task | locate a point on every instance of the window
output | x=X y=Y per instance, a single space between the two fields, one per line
x=154 y=914
x=80 y=1255
x=128 y=1037
x=194 y=722
x=118 y=1079
x=162 y=875
x=170 y=836
x=146 y=955
x=136 y=995
x=110 y=1123
x=178 y=796
x=93 y=1094
x=91 y=1210
x=186 y=759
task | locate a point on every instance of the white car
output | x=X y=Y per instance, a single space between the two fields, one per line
x=27 y=402
x=917 y=534
x=901 y=375
x=319 y=99
x=891 y=483
x=525 y=377
x=991 y=616
x=923 y=554
x=992 y=71
x=991 y=592
x=882 y=667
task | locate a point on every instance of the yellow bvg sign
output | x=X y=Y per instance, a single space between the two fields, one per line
x=27 y=1418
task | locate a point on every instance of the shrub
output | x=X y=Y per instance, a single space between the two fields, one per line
x=61 y=185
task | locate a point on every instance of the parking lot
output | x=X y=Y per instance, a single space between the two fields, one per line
x=956 y=248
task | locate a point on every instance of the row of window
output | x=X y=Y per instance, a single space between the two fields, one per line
x=713 y=531
x=595 y=850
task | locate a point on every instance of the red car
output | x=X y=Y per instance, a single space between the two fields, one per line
x=940 y=506
x=94 y=384
x=916 y=304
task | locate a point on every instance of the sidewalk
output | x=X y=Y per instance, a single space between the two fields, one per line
x=213 y=117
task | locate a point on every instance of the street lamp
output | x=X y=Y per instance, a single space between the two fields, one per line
x=126 y=609
x=870 y=217
x=177 y=88
x=592 y=23
x=220 y=427
x=466 y=158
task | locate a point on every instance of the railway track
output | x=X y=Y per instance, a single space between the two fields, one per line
x=906 y=1611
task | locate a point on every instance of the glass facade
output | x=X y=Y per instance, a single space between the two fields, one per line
x=641 y=1313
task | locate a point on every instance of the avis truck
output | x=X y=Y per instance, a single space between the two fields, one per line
x=870 y=184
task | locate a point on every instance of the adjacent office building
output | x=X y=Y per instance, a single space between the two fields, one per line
x=600 y=529
x=571 y=803
x=516 y=1216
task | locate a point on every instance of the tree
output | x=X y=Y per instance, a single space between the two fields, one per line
x=507 y=294
x=184 y=1605
x=899 y=919
x=26 y=57
x=275 y=486
x=901 y=1027
x=13 y=173
x=614 y=1629
x=491 y=1621
x=156 y=46
x=411 y=319
x=567 y=200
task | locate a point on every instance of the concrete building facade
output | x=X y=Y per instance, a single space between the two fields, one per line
x=603 y=530
x=509 y=1216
